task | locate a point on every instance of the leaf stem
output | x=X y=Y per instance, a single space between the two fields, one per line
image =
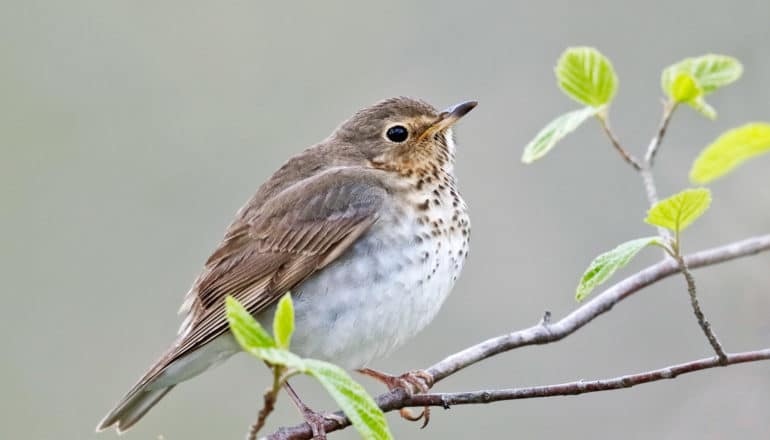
x=628 y=157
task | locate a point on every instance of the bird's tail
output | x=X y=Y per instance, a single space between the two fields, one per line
x=132 y=407
x=170 y=370
x=142 y=396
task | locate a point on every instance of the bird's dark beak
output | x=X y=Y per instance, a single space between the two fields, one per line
x=457 y=111
x=449 y=117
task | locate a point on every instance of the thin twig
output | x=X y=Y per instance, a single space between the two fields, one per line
x=652 y=148
x=628 y=157
x=649 y=158
x=649 y=185
x=652 y=194
x=270 y=397
x=645 y=170
x=555 y=331
x=702 y=321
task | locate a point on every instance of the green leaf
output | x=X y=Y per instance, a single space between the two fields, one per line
x=283 y=322
x=255 y=340
x=555 y=131
x=355 y=402
x=677 y=212
x=279 y=356
x=703 y=107
x=246 y=329
x=587 y=76
x=730 y=150
x=710 y=72
x=684 y=88
x=603 y=266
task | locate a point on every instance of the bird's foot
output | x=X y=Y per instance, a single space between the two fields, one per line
x=413 y=382
x=316 y=420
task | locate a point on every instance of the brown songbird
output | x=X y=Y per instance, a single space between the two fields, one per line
x=367 y=230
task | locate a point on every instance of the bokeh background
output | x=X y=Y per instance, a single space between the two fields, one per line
x=132 y=131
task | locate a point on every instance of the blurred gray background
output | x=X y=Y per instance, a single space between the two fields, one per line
x=132 y=131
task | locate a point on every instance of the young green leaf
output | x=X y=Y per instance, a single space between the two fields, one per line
x=730 y=150
x=255 y=340
x=279 y=356
x=709 y=72
x=283 y=322
x=555 y=131
x=677 y=212
x=246 y=329
x=603 y=266
x=355 y=402
x=701 y=106
x=684 y=88
x=587 y=76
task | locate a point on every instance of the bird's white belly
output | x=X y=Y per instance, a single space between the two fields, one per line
x=377 y=295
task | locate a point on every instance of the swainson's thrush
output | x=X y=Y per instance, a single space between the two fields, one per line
x=366 y=229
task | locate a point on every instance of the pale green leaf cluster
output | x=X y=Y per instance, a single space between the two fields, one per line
x=606 y=264
x=587 y=76
x=352 y=398
x=545 y=140
x=691 y=79
x=730 y=150
x=678 y=212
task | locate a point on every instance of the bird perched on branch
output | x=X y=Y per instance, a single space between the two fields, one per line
x=367 y=230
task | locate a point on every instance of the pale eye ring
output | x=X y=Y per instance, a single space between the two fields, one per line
x=397 y=133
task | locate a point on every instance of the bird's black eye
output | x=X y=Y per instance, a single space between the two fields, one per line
x=397 y=133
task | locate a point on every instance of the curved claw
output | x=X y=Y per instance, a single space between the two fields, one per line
x=413 y=382
x=316 y=420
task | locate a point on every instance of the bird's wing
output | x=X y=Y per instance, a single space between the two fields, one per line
x=281 y=243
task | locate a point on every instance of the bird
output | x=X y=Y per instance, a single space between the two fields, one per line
x=367 y=231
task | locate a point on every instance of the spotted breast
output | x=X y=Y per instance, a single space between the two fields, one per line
x=394 y=279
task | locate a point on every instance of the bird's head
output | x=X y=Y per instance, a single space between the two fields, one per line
x=403 y=133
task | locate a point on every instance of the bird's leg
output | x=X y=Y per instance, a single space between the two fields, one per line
x=413 y=382
x=313 y=418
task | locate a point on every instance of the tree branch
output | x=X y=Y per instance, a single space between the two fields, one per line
x=544 y=333
x=573 y=388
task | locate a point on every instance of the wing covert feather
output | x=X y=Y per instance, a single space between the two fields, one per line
x=291 y=236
